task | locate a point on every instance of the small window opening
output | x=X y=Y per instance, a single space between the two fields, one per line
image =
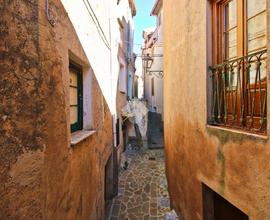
x=76 y=97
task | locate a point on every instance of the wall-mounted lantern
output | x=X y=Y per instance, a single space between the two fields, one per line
x=147 y=61
x=147 y=64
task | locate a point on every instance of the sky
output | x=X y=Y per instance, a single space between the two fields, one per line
x=143 y=20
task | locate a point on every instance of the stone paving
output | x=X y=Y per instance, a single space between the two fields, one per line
x=142 y=188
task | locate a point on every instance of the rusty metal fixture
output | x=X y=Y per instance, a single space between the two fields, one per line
x=239 y=93
x=147 y=64
x=157 y=73
x=147 y=61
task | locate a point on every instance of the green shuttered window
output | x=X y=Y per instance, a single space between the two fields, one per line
x=76 y=97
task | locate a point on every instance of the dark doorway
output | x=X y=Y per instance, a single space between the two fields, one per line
x=108 y=186
x=216 y=207
x=110 y=181
x=125 y=133
x=117 y=132
x=155 y=131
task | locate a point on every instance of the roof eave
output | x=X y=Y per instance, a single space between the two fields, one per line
x=156 y=8
x=133 y=7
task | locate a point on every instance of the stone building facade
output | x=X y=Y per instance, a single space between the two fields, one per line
x=153 y=76
x=215 y=166
x=113 y=20
x=47 y=172
x=126 y=68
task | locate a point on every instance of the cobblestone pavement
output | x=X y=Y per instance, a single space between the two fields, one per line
x=142 y=188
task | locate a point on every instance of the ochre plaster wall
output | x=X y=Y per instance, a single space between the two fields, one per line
x=235 y=165
x=41 y=175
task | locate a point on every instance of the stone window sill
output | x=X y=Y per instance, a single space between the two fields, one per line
x=235 y=132
x=80 y=136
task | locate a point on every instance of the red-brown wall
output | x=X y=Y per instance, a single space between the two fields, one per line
x=41 y=175
x=234 y=164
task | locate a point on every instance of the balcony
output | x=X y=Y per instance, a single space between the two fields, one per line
x=239 y=93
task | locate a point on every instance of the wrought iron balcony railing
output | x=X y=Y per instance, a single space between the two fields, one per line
x=239 y=93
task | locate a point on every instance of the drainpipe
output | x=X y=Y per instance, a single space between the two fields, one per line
x=51 y=21
x=114 y=131
x=111 y=70
x=114 y=149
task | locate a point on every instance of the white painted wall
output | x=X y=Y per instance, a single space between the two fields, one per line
x=102 y=55
x=155 y=103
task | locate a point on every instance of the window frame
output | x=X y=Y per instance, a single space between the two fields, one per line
x=219 y=47
x=122 y=78
x=78 y=70
x=217 y=28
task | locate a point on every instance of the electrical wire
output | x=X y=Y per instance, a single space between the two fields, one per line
x=97 y=20
x=100 y=29
x=152 y=55
x=97 y=24
x=142 y=44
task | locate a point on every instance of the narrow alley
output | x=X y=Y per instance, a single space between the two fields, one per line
x=142 y=187
x=134 y=110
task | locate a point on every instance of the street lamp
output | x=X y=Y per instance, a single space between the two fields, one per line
x=147 y=62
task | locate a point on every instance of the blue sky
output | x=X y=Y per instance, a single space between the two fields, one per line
x=143 y=20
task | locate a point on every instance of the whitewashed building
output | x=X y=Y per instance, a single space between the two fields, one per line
x=153 y=76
